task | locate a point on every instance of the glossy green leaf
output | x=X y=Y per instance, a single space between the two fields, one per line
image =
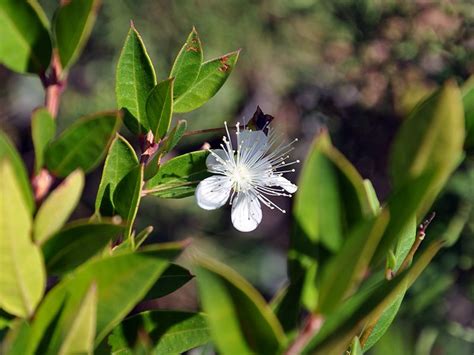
x=78 y=337
x=187 y=64
x=338 y=329
x=345 y=269
x=26 y=45
x=212 y=76
x=127 y=196
x=431 y=138
x=122 y=281
x=135 y=77
x=43 y=129
x=120 y=160
x=76 y=243
x=170 y=332
x=239 y=319
x=82 y=145
x=172 y=279
x=468 y=103
x=179 y=176
x=8 y=151
x=57 y=208
x=159 y=108
x=72 y=25
x=23 y=278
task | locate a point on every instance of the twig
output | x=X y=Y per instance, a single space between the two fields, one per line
x=312 y=326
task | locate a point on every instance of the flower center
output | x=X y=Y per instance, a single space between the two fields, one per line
x=241 y=176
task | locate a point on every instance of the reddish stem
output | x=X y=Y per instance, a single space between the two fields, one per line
x=312 y=326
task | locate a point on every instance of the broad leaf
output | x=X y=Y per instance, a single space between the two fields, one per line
x=179 y=176
x=187 y=64
x=43 y=129
x=212 y=76
x=25 y=46
x=172 y=279
x=72 y=26
x=8 y=151
x=345 y=269
x=57 y=208
x=338 y=329
x=121 y=159
x=430 y=139
x=79 y=333
x=239 y=319
x=122 y=281
x=159 y=108
x=127 y=196
x=135 y=77
x=170 y=332
x=78 y=242
x=82 y=145
x=23 y=278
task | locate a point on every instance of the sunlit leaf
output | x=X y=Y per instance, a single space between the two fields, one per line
x=43 y=129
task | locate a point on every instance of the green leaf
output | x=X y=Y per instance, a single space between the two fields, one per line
x=135 y=77
x=23 y=278
x=57 y=208
x=172 y=279
x=179 y=176
x=43 y=129
x=25 y=46
x=79 y=335
x=239 y=319
x=371 y=196
x=127 y=196
x=187 y=64
x=16 y=340
x=344 y=270
x=468 y=103
x=404 y=243
x=8 y=151
x=76 y=243
x=338 y=330
x=83 y=144
x=170 y=332
x=356 y=349
x=72 y=25
x=287 y=305
x=122 y=281
x=121 y=159
x=431 y=138
x=212 y=76
x=159 y=108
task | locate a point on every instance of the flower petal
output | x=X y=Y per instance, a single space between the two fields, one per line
x=246 y=212
x=213 y=192
x=214 y=164
x=278 y=180
x=253 y=142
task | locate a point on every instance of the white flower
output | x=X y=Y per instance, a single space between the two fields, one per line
x=246 y=176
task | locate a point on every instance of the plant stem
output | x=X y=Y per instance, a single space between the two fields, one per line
x=313 y=323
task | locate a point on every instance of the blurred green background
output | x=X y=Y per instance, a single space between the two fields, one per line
x=353 y=66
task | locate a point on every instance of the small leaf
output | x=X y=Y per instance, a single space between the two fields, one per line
x=239 y=319
x=187 y=64
x=8 y=151
x=122 y=281
x=170 y=332
x=23 y=278
x=212 y=76
x=121 y=159
x=135 y=77
x=43 y=129
x=76 y=243
x=179 y=176
x=127 y=196
x=72 y=25
x=431 y=138
x=159 y=108
x=25 y=46
x=83 y=144
x=79 y=336
x=468 y=103
x=356 y=349
x=172 y=279
x=57 y=208
x=404 y=243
